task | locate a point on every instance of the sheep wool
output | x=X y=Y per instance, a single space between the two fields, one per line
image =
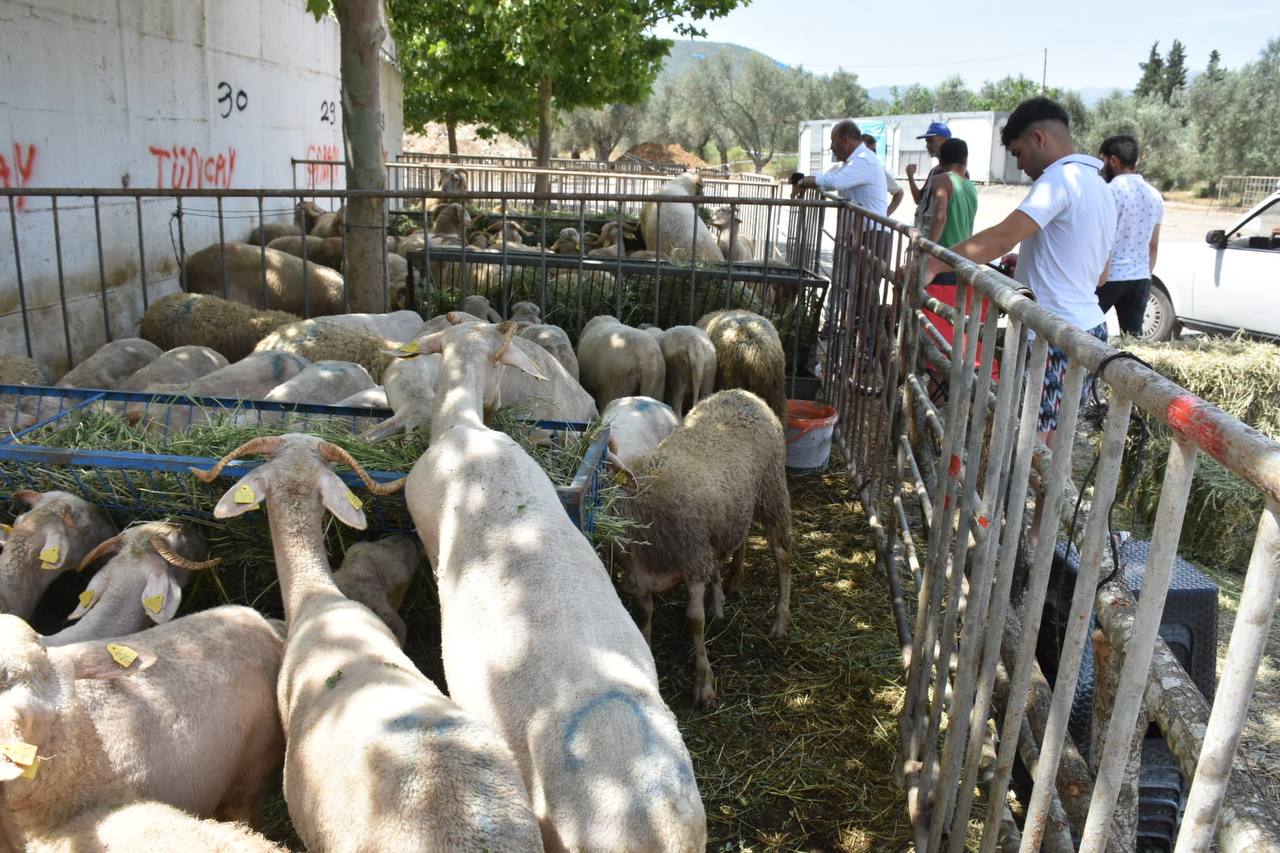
x=229 y=327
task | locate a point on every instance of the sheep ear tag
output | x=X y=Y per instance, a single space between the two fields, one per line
x=410 y=349
x=121 y=654
x=161 y=596
x=512 y=356
x=245 y=495
x=51 y=558
x=19 y=752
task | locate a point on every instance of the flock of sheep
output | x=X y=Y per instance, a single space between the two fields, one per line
x=131 y=729
x=297 y=267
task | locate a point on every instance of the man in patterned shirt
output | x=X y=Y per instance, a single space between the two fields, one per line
x=1139 y=210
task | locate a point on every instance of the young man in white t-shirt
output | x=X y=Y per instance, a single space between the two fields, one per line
x=1139 y=209
x=1066 y=225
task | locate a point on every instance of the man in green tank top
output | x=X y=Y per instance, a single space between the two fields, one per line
x=955 y=201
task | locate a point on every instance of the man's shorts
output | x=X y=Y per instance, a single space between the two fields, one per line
x=1055 y=372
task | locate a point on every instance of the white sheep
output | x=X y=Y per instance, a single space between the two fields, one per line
x=478 y=306
x=524 y=314
x=534 y=638
x=182 y=713
x=441 y=322
x=179 y=365
x=323 y=382
x=636 y=426
x=610 y=242
x=732 y=245
x=140 y=585
x=111 y=364
x=320 y=340
x=554 y=340
x=151 y=826
x=617 y=360
x=377 y=757
x=673 y=229
x=283 y=283
x=377 y=574
x=330 y=224
x=568 y=242
x=691 y=366
x=722 y=468
x=251 y=378
x=52 y=536
x=371 y=398
x=394 y=326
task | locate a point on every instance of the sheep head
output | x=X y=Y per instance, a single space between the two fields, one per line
x=52 y=536
x=724 y=218
x=609 y=233
x=163 y=552
x=453 y=181
x=509 y=231
x=450 y=219
x=526 y=312
x=298 y=466
x=568 y=242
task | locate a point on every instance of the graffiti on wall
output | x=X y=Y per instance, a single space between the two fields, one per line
x=322 y=175
x=15 y=171
x=230 y=98
x=182 y=167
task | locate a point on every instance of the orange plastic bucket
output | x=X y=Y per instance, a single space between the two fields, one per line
x=809 y=429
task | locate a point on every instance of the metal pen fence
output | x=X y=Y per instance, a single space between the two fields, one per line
x=938 y=428
x=1245 y=191
x=81 y=266
x=623 y=164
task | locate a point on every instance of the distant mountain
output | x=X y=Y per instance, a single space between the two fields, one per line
x=686 y=53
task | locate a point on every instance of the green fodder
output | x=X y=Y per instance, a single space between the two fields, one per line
x=1241 y=377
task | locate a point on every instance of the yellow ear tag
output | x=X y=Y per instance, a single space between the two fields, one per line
x=154 y=603
x=354 y=501
x=19 y=752
x=122 y=655
x=6 y=528
x=86 y=598
x=30 y=772
x=410 y=348
x=49 y=556
x=245 y=495
x=621 y=477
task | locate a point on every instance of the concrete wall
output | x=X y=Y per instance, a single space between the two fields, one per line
x=187 y=94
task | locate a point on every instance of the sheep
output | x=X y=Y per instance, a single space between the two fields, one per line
x=535 y=640
x=568 y=242
x=722 y=468
x=377 y=574
x=478 y=306
x=553 y=394
x=326 y=251
x=151 y=826
x=672 y=228
x=229 y=327
x=749 y=355
x=636 y=426
x=190 y=721
x=554 y=340
x=377 y=757
x=525 y=314
x=323 y=382
x=453 y=183
x=611 y=242
x=319 y=340
x=370 y=398
x=440 y=322
x=113 y=363
x=330 y=224
x=284 y=276
x=305 y=215
x=178 y=365
x=53 y=535
x=18 y=370
x=691 y=366
x=449 y=223
x=509 y=235
x=142 y=583
x=617 y=360
x=394 y=326
x=733 y=246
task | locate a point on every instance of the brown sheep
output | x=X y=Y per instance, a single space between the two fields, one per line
x=228 y=327
x=749 y=355
x=284 y=277
x=705 y=484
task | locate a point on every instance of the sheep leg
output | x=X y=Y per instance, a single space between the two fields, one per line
x=735 y=572
x=704 y=693
x=717 y=598
x=645 y=600
x=780 y=542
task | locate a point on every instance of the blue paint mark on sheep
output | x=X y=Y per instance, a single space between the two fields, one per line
x=416 y=722
x=580 y=716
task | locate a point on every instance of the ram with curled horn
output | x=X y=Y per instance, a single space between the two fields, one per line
x=142 y=582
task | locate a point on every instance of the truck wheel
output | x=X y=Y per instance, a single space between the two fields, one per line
x=1159 y=323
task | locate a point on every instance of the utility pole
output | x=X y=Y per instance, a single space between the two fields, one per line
x=1044 y=72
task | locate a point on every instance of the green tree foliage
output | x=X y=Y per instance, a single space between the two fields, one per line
x=455 y=70
x=1152 y=79
x=1175 y=71
x=1234 y=118
x=601 y=130
x=953 y=96
x=1168 y=155
x=760 y=106
x=1213 y=71
x=839 y=94
x=916 y=99
x=1006 y=93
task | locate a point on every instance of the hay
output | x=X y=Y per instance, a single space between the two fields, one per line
x=1242 y=377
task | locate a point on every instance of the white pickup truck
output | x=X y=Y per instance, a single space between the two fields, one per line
x=1228 y=283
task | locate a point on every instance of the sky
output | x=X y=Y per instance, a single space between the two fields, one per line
x=1093 y=43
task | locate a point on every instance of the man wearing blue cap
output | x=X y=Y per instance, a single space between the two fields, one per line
x=937 y=134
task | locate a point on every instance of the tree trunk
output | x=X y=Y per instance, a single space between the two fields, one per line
x=603 y=147
x=451 y=127
x=361 y=31
x=543 y=151
x=724 y=151
x=701 y=145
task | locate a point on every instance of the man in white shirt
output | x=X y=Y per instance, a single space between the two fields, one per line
x=860 y=176
x=1133 y=258
x=891 y=185
x=1066 y=225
